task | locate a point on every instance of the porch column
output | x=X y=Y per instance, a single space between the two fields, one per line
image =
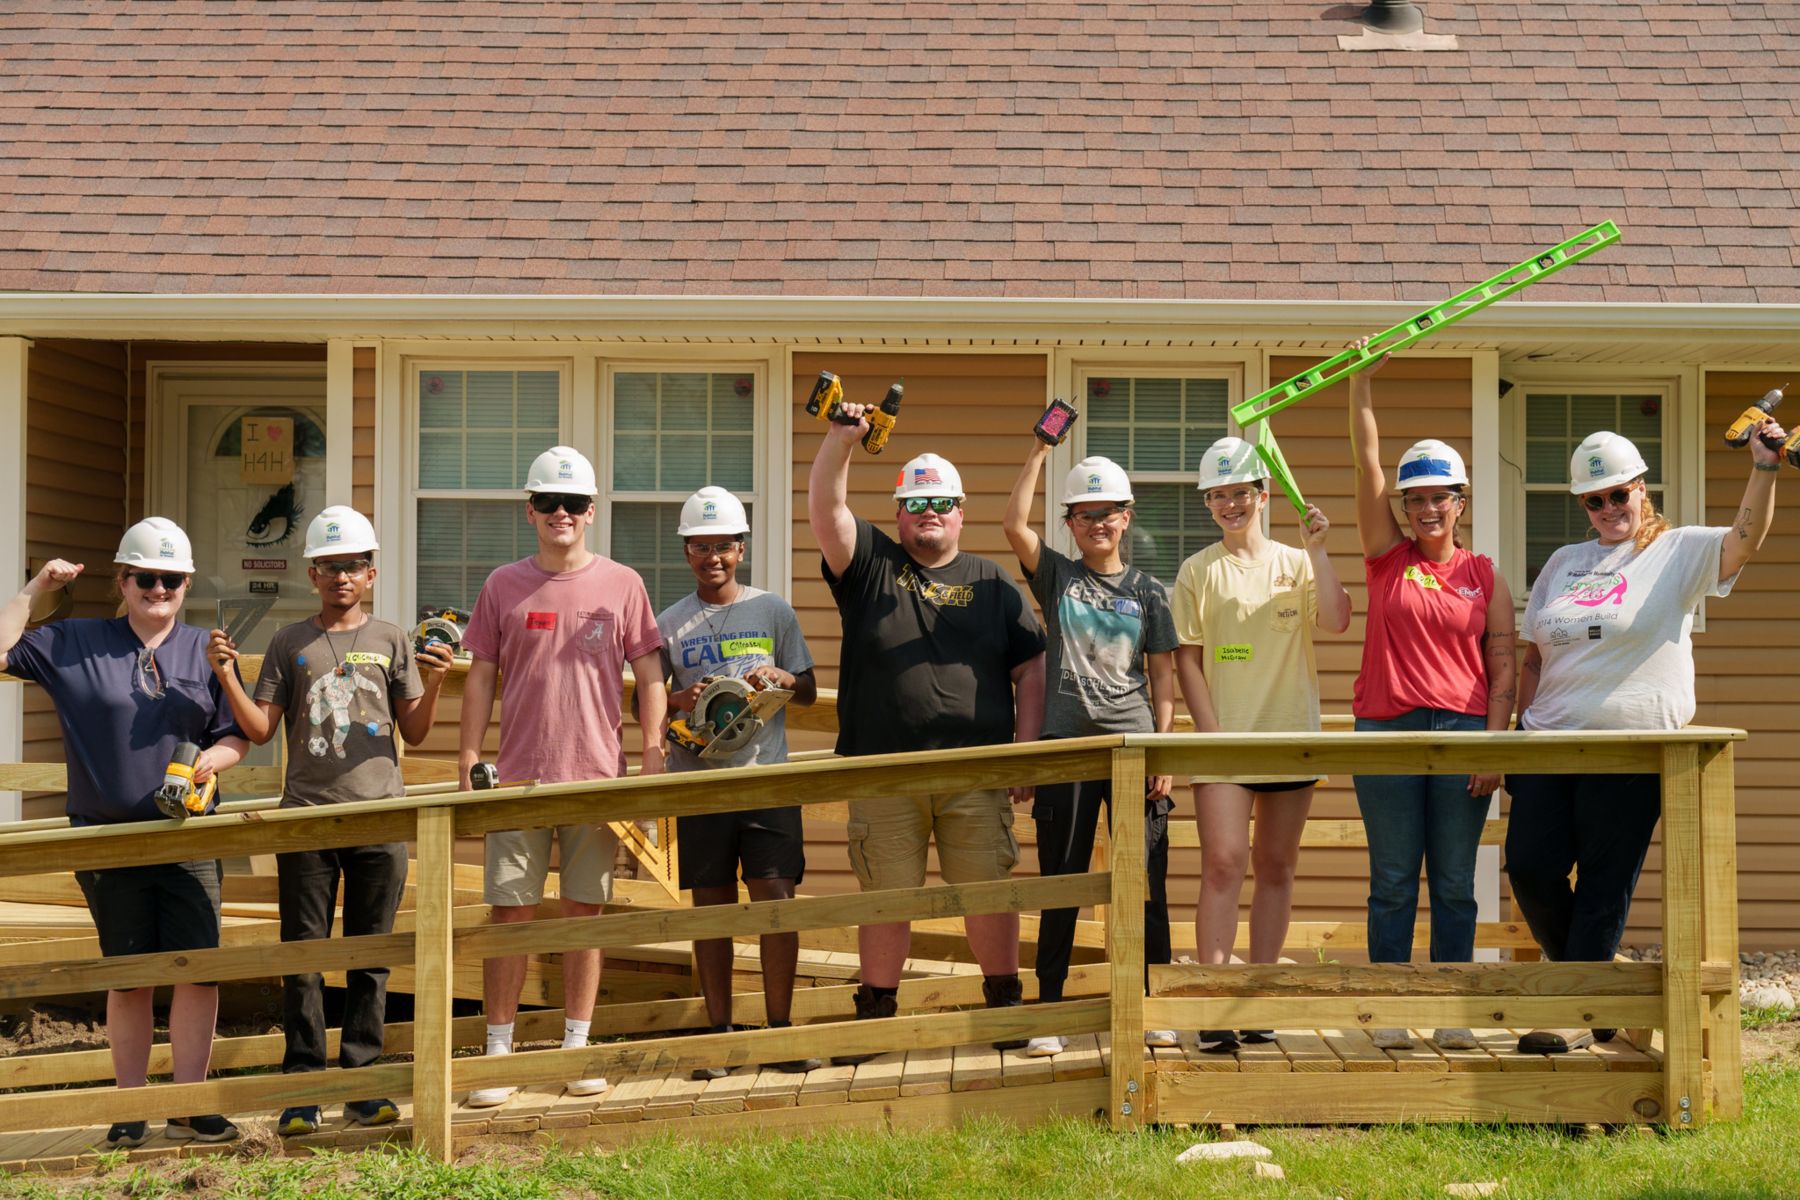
x=14 y=353
x=340 y=420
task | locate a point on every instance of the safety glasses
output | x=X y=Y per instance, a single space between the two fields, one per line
x=1414 y=502
x=1618 y=498
x=343 y=566
x=937 y=504
x=1096 y=515
x=1220 y=498
x=146 y=677
x=708 y=549
x=149 y=579
x=549 y=502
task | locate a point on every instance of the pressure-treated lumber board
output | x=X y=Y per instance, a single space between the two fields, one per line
x=626 y=1099
x=1407 y=1012
x=928 y=1071
x=975 y=1068
x=1079 y=1060
x=431 y=1090
x=774 y=1089
x=1719 y=925
x=1503 y=1046
x=1684 y=1016
x=1125 y=910
x=1606 y=1097
x=1423 y=979
x=675 y=1098
x=1307 y=1051
x=727 y=1095
x=879 y=1078
x=827 y=1085
x=1017 y=1069
x=1356 y=1051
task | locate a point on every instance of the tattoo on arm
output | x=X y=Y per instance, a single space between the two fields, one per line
x=1743 y=524
x=1532 y=665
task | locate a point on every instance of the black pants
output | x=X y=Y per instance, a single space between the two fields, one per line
x=373 y=878
x=1067 y=815
x=1599 y=825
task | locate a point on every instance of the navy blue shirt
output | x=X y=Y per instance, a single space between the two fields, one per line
x=117 y=738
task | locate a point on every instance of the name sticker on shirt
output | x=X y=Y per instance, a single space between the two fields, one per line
x=1423 y=578
x=742 y=646
x=368 y=658
x=1233 y=652
x=535 y=620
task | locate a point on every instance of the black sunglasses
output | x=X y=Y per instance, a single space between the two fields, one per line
x=937 y=504
x=149 y=579
x=549 y=502
x=1618 y=498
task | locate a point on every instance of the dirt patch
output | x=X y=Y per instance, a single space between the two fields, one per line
x=1779 y=1044
x=47 y=1029
x=257 y=1140
x=491 y=1153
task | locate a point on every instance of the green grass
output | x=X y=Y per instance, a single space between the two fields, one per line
x=1756 y=1157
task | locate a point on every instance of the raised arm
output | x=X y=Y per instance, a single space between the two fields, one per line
x=1334 y=601
x=1019 y=534
x=1375 y=523
x=1758 y=507
x=16 y=613
x=828 y=491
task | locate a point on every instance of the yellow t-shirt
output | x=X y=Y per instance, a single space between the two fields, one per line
x=1254 y=622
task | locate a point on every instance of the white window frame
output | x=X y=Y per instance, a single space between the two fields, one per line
x=767 y=559
x=1683 y=443
x=412 y=367
x=1069 y=380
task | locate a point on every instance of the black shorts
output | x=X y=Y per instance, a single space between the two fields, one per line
x=143 y=910
x=1291 y=785
x=769 y=842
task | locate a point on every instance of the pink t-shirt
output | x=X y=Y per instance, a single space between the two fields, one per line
x=1422 y=648
x=562 y=642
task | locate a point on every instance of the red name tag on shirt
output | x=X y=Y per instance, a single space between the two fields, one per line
x=540 y=620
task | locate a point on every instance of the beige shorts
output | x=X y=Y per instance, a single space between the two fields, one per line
x=974 y=830
x=518 y=860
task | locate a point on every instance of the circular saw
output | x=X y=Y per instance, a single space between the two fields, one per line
x=728 y=715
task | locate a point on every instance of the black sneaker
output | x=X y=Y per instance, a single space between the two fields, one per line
x=213 y=1128
x=125 y=1134
x=712 y=1072
x=371 y=1112
x=1005 y=991
x=1256 y=1037
x=1218 y=1041
x=792 y=1066
x=869 y=1007
x=298 y=1121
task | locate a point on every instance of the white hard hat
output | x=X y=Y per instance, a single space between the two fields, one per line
x=1431 y=463
x=712 y=510
x=561 y=469
x=928 y=475
x=1604 y=460
x=339 y=529
x=1230 y=460
x=1095 y=479
x=156 y=544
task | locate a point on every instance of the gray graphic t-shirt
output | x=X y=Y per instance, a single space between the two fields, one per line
x=337 y=694
x=1099 y=628
x=755 y=630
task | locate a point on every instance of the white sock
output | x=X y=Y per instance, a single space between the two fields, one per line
x=575 y=1033
x=499 y=1038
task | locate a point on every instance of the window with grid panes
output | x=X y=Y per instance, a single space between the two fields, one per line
x=1157 y=429
x=478 y=431
x=674 y=433
x=1556 y=423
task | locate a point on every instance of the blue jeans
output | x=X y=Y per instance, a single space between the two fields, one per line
x=1414 y=820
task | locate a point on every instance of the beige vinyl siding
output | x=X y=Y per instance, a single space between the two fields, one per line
x=362 y=399
x=74 y=497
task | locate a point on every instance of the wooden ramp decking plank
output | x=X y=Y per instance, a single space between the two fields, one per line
x=522 y=1113
x=572 y=1112
x=1503 y=1044
x=1019 y=1070
x=1466 y=1061
x=879 y=1078
x=1263 y=1056
x=1356 y=1050
x=927 y=1072
x=774 y=1089
x=1621 y=1055
x=1307 y=1052
x=727 y=1095
x=1421 y=1058
x=625 y=1100
x=827 y=1085
x=1081 y=1060
x=976 y=1068
x=675 y=1098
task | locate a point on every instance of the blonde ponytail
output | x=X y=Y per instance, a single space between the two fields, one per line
x=1653 y=524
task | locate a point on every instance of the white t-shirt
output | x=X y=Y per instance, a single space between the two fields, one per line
x=1614 y=627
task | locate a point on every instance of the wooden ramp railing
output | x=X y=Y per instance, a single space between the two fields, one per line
x=1691 y=996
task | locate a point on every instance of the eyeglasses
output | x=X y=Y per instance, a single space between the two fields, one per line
x=1096 y=515
x=1618 y=498
x=708 y=549
x=1219 y=498
x=549 y=502
x=146 y=677
x=937 y=504
x=1413 y=502
x=343 y=566
x=149 y=579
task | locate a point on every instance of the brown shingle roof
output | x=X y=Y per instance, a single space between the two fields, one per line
x=1207 y=151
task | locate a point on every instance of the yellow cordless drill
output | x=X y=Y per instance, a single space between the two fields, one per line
x=826 y=402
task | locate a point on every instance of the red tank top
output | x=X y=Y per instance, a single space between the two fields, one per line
x=1422 y=648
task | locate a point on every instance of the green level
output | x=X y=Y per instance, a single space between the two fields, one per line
x=1332 y=370
x=1270 y=453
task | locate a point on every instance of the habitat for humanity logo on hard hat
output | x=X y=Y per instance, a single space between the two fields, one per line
x=709 y=511
x=565 y=469
x=1094 y=481
x=165 y=549
x=1596 y=466
x=1224 y=464
x=334 y=532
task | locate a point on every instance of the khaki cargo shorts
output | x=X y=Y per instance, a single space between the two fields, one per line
x=974 y=830
x=519 y=859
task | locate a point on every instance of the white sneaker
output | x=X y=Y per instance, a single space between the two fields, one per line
x=1455 y=1039
x=1045 y=1047
x=587 y=1087
x=1161 y=1037
x=1392 y=1039
x=490 y=1097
